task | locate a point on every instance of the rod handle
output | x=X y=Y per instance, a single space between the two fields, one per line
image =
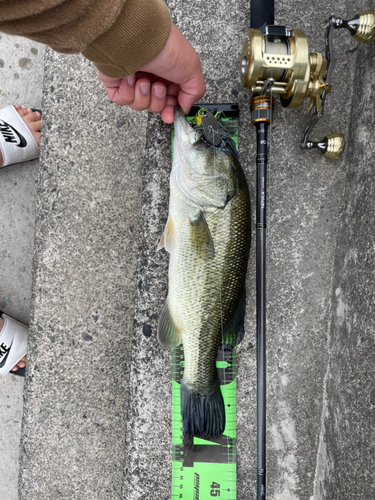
x=261 y=13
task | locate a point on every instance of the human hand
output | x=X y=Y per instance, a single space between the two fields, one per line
x=173 y=77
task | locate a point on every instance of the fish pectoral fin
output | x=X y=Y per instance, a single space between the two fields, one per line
x=161 y=243
x=168 y=334
x=219 y=190
x=167 y=240
x=234 y=331
x=201 y=240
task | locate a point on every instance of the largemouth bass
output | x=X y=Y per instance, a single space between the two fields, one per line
x=208 y=238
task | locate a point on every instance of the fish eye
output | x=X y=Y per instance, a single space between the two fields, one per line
x=194 y=137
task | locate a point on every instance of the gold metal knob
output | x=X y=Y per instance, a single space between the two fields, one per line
x=366 y=27
x=335 y=145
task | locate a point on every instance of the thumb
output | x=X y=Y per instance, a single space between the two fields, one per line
x=191 y=91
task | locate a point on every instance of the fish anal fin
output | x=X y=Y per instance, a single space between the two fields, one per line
x=168 y=334
x=234 y=330
x=201 y=239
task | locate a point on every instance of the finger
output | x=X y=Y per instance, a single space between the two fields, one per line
x=190 y=92
x=167 y=115
x=119 y=90
x=114 y=82
x=173 y=90
x=142 y=95
x=158 y=97
x=153 y=78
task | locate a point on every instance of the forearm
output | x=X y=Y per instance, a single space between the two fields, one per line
x=119 y=36
x=139 y=34
x=65 y=25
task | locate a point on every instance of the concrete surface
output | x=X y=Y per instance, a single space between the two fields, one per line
x=21 y=82
x=346 y=460
x=305 y=205
x=94 y=377
x=88 y=205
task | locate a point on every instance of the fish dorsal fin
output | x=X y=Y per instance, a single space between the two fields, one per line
x=168 y=334
x=201 y=239
x=234 y=330
x=167 y=240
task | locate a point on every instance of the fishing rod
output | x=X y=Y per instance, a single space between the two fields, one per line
x=261 y=106
x=276 y=60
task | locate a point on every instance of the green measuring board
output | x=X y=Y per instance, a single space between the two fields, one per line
x=204 y=467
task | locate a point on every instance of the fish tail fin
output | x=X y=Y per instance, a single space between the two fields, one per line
x=203 y=412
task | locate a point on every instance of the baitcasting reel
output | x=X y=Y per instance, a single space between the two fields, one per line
x=276 y=60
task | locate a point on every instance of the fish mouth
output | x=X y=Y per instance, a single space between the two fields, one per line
x=181 y=126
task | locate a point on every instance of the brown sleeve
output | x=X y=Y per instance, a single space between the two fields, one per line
x=119 y=36
x=65 y=25
x=138 y=35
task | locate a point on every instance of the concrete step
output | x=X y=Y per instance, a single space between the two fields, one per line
x=88 y=206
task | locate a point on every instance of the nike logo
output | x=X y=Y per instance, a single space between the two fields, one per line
x=10 y=134
x=4 y=350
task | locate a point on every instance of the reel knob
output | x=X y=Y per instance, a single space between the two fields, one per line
x=361 y=27
x=334 y=145
x=366 y=27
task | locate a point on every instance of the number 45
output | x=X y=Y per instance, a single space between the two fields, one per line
x=215 y=490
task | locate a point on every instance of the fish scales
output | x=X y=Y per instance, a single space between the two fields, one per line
x=208 y=237
x=204 y=293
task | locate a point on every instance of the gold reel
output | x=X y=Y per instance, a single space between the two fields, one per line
x=277 y=60
x=296 y=73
